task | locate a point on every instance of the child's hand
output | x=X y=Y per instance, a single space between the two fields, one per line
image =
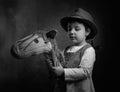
x=59 y=70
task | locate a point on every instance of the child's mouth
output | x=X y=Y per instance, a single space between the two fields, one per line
x=72 y=37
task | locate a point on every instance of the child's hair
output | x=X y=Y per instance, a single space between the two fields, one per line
x=87 y=29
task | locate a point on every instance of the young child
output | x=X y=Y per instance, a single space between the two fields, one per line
x=79 y=57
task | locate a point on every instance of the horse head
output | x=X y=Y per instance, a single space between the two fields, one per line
x=34 y=44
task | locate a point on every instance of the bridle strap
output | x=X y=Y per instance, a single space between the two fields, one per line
x=54 y=53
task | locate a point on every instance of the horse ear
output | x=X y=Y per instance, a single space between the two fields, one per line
x=51 y=34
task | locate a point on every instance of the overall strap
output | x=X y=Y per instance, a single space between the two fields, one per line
x=82 y=50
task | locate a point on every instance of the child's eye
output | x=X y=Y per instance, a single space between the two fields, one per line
x=77 y=28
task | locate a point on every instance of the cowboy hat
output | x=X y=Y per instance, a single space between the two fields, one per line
x=82 y=16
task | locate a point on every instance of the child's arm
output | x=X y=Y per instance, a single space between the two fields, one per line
x=85 y=67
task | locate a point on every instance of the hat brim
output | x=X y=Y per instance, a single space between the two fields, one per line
x=64 y=22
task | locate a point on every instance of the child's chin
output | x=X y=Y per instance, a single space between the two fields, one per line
x=74 y=41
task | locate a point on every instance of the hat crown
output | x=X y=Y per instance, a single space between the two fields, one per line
x=80 y=13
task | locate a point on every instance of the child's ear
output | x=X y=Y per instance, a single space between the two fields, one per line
x=88 y=31
x=51 y=34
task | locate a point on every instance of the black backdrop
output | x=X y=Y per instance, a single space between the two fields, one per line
x=19 y=18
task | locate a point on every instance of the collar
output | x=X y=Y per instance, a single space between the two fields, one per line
x=75 y=48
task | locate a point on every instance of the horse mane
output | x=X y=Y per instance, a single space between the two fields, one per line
x=55 y=55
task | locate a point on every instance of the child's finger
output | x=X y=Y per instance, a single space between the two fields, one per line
x=49 y=62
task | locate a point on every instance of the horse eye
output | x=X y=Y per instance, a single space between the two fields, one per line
x=36 y=40
x=46 y=42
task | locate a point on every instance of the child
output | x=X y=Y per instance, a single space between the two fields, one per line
x=79 y=57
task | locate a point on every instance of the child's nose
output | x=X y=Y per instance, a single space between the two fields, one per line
x=72 y=31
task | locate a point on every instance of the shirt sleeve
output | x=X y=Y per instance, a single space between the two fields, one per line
x=85 y=67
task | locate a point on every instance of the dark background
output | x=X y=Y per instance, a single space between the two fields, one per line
x=19 y=18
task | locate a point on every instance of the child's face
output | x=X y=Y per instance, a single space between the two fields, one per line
x=77 y=32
